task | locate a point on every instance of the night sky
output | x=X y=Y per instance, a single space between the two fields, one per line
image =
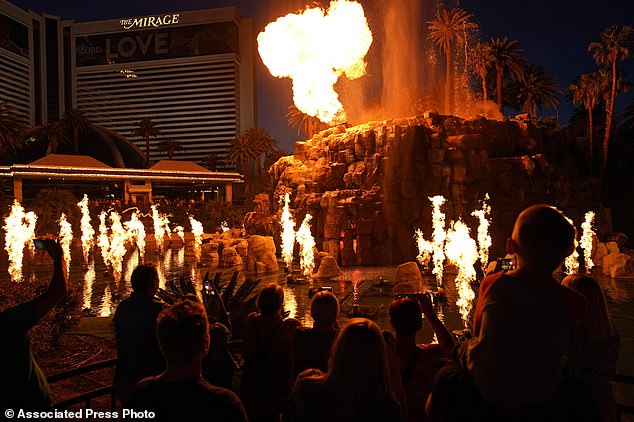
x=553 y=33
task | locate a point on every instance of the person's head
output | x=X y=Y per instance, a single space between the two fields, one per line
x=357 y=368
x=405 y=316
x=145 y=279
x=324 y=308
x=182 y=331
x=542 y=238
x=596 y=321
x=270 y=300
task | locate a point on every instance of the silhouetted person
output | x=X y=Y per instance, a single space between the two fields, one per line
x=219 y=366
x=594 y=350
x=418 y=363
x=266 y=378
x=180 y=393
x=513 y=367
x=138 y=354
x=311 y=346
x=24 y=386
x=356 y=387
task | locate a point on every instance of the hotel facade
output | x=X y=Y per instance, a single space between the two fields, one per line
x=192 y=73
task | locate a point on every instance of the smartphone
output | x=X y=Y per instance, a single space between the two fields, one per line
x=207 y=286
x=39 y=244
x=325 y=289
x=506 y=264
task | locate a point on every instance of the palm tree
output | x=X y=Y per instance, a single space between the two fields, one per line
x=11 y=129
x=535 y=88
x=170 y=145
x=481 y=62
x=147 y=129
x=241 y=152
x=616 y=45
x=449 y=26
x=53 y=134
x=586 y=92
x=262 y=143
x=304 y=122
x=212 y=161
x=507 y=60
x=76 y=122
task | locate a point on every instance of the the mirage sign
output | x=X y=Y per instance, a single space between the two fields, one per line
x=150 y=21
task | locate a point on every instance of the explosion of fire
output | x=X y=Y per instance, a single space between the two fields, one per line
x=65 y=239
x=19 y=228
x=180 y=232
x=306 y=244
x=288 y=233
x=103 y=241
x=425 y=248
x=484 y=239
x=462 y=251
x=438 y=237
x=135 y=233
x=571 y=264
x=87 y=232
x=314 y=48
x=161 y=228
x=117 y=249
x=197 y=231
x=586 y=240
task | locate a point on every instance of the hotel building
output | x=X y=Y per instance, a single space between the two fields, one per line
x=192 y=73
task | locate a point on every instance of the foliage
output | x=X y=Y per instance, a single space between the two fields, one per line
x=53 y=134
x=12 y=131
x=310 y=125
x=147 y=129
x=263 y=144
x=535 y=88
x=449 y=27
x=241 y=153
x=49 y=204
x=481 y=61
x=212 y=161
x=170 y=146
x=47 y=333
x=507 y=60
x=75 y=122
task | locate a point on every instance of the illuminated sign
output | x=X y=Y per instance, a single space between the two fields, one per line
x=150 y=21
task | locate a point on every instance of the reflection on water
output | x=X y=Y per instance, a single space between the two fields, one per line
x=101 y=292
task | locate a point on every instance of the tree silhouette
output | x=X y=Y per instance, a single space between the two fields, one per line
x=310 y=125
x=170 y=145
x=482 y=61
x=147 y=129
x=616 y=45
x=212 y=161
x=12 y=132
x=75 y=121
x=507 y=60
x=53 y=134
x=449 y=27
x=586 y=91
x=535 y=88
x=262 y=143
x=240 y=153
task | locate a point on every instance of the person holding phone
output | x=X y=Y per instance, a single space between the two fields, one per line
x=24 y=386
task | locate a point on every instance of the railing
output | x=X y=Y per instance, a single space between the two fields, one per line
x=89 y=395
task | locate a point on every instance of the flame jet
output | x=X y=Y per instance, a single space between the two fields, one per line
x=87 y=232
x=314 y=48
x=19 y=228
x=462 y=251
x=306 y=244
x=587 y=234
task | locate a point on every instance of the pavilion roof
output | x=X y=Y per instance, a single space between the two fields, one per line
x=65 y=160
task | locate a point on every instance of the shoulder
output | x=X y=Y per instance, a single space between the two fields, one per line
x=574 y=303
x=223 y=394
x=291 y=324
x=489 y=281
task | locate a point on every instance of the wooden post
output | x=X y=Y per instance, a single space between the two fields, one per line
x=17 y=188
x=228 y=192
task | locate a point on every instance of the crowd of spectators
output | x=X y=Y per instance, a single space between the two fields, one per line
x=541 y=350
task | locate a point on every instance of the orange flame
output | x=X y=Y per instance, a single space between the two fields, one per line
x=197 y=231
x=484 y=239
x=180 y=232
x=89 y=279
x=306 y=244
x=571 y=264
x=135 y=233
x=462 y=251
x=438 y=237
x=19 y=228
x=87 y=232
x=586 y=240
x=425 y=248
x=161 y=228
x=65 y=239
x=103 y=241
x=117 y=249
x=288 y=233
x=315 y=48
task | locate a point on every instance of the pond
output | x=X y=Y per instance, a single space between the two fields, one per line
x=101 y=293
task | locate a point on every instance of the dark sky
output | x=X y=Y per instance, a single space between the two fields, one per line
x=553 y=33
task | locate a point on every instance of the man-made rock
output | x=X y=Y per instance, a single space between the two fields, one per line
x=231 y=258
x=328 y=268
x=407 y=278
x=261 y=255
x=618 y=264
